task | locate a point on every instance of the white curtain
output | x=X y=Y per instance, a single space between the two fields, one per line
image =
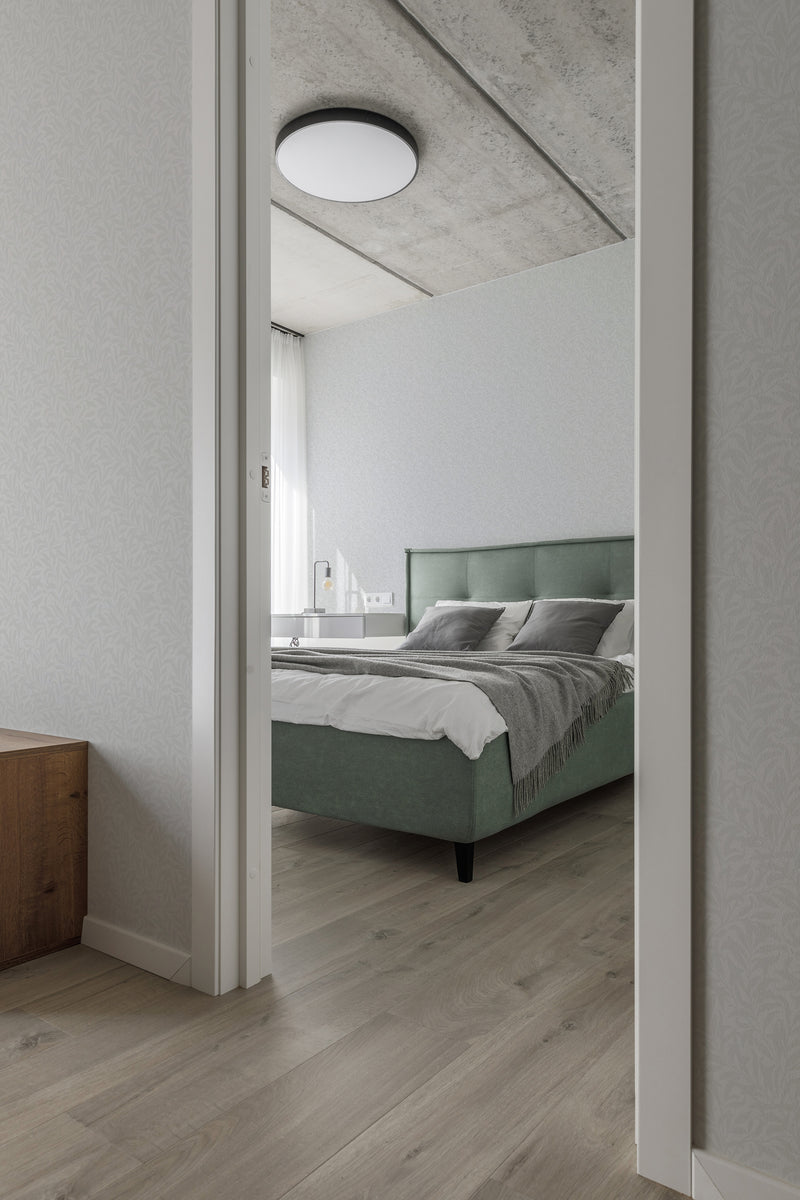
x=289 y=495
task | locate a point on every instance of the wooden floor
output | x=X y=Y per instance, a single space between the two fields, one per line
x=420 y=1039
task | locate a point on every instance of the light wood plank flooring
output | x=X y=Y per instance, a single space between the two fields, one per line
x=420 y=1039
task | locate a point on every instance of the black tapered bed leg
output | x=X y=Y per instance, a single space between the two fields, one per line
x=465 y=856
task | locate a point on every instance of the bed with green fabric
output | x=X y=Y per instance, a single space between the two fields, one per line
x=431 y=787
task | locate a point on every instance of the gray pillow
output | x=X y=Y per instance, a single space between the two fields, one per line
x=451 y=628
x=574 y=626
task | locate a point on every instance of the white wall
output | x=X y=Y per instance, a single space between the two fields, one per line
x=500 y=413
x=747 y=569
x=95 y=425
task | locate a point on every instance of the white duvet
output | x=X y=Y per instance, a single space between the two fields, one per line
x=407 y=708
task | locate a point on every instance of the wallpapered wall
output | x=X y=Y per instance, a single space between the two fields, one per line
x=747 y=569
x=500 y=413
x=95 y=425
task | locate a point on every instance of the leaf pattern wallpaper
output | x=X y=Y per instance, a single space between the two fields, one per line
x=747 y=572
x=95 y=425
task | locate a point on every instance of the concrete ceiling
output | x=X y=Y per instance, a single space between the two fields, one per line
x=523 y=111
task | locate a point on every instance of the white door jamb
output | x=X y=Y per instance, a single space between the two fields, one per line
x=664 y=204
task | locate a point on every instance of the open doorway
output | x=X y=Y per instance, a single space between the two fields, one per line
x=482 y=393
x=680 y=47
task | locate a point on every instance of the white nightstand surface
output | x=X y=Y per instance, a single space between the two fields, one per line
x=338 y=625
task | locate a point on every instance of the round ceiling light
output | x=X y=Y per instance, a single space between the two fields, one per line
x=346 y=154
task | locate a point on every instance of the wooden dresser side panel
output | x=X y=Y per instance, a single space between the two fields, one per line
x=43 y=811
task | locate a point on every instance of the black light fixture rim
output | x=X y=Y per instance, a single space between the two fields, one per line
x=363 y=116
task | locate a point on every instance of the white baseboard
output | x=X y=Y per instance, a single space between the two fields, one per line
x=719 y=1179
x=166 y=961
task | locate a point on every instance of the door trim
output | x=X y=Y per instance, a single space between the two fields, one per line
x=255 y=824
x=664 y=276
x=230 y=699
x=205 y=570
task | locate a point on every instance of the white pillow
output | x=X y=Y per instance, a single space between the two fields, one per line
x=618 y=638
x=505 y=628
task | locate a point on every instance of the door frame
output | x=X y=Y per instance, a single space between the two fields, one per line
x=663 y=766
x=230 y=669
x=255 y=829
x=231 y=886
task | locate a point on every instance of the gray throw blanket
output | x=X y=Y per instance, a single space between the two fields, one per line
x=548 y=700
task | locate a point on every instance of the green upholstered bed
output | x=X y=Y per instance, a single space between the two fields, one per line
x=430 y=787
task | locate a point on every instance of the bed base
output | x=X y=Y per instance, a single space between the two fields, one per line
x=431 y=788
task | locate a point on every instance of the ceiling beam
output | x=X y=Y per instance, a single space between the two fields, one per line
x=442 y=50
x=353 y=249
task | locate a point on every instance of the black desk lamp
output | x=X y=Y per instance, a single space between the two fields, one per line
x=327 y=584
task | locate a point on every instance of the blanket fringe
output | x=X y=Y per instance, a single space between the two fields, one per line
x=527 y=788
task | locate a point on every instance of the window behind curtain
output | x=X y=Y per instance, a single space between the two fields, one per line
x=289 y=491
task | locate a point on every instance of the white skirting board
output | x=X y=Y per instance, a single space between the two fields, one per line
x=166 y=961
x=719 y=1179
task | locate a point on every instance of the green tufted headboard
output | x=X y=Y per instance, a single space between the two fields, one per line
x=596 y=567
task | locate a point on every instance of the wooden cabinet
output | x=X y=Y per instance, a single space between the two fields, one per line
x=43 y=802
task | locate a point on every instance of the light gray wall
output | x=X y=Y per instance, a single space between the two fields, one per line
x=747 y=568
x=500 y=413
x=95 y=425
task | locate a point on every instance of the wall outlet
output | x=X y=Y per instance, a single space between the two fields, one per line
x=378 y=599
